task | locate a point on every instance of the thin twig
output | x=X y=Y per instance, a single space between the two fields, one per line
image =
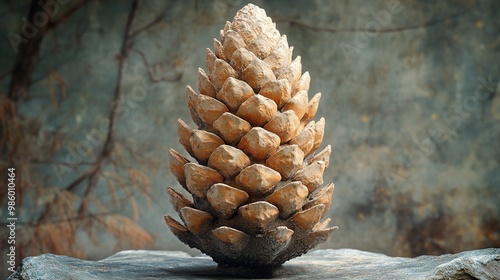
x=76 y=50
x=154 y=22
x=156 y=78
x=64 y=16
x=137 y=156
x=131 y=192
x=294 y=22
x=76 y=183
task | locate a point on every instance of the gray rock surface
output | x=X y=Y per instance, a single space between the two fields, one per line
x=320 y=264
x=385 y=104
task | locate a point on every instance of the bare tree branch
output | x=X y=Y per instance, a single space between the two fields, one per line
x=64 y=16
x=92 y=174
x=28 y=51
x=294 y=22
x=154 y=22
x=25 y=60
x=115 y=105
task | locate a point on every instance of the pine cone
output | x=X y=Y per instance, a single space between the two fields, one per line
x=257 y=183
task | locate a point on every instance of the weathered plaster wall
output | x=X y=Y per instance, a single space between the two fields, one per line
x=412 y=109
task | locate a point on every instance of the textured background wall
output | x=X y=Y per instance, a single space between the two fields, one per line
x=412 y=107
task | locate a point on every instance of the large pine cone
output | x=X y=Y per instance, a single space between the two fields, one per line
x=257 y=184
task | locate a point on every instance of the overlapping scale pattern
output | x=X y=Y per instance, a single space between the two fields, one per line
x=256 y=179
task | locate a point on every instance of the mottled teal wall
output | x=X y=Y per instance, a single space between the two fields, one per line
x=417 y=103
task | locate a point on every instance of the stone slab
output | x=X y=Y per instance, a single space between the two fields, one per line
x=319 y=264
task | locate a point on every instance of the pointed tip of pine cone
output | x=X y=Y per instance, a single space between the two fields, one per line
x=178 y=200
x=250 y=9
x=175 y=226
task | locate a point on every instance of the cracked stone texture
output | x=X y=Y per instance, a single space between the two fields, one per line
x=320 y=264
x=401 y=104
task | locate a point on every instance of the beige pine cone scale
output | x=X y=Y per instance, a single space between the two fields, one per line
x=256 y=182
